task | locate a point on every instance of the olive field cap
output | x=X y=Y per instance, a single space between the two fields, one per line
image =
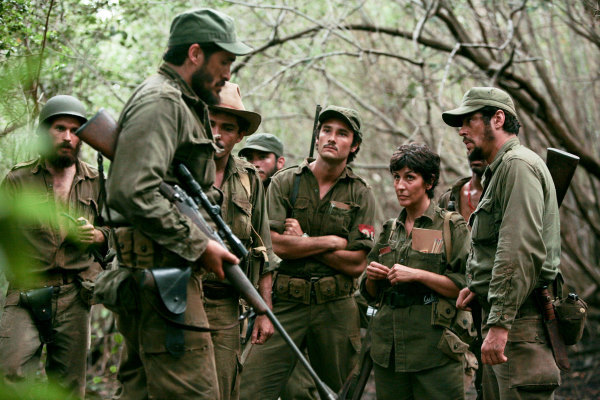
x=475 y=99
x=231 y=103
x=347 y=115
x=263 y=142
x=62 y=105
x=206 y=26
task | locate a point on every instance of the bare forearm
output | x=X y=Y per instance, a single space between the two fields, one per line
x=294 y=247
x=440 y=283
x=371 y=287
x=349 y=262
x=265 y=286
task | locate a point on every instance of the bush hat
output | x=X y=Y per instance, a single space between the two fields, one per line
x=475 y=99
x=231 y=103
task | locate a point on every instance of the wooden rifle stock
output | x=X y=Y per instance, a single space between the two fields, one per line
x=562 y=167
x=313 y=140
x=100 y=132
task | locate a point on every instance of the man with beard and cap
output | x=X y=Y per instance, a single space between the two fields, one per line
x=52 y=307
x=265 y=152
x=515 y=249
x=464 y=195
x=165 y=122
x=321 y=216
x=244 y=210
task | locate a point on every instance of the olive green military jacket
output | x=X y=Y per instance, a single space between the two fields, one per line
x=516 y=233
x=163 y=123
x=49 y=245
x=244 y=209
x=408 y=330
x=347 y=210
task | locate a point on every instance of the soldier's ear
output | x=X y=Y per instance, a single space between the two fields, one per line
x=195 y=54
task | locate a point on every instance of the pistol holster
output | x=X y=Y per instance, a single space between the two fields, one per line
x=39 y=304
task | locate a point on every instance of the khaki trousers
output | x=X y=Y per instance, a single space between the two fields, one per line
x=226 y=343
x=439 y=383
x=21 y=348
x=147 y=370
x=329 y=332
x=530 y=372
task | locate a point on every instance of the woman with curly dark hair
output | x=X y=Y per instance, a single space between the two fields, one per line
x=416 y=270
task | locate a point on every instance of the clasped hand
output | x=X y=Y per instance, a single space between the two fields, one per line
x=398 y=273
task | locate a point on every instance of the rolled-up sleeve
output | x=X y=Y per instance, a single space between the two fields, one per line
x=521 y=251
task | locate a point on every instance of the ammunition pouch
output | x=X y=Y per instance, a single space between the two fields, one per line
x=444 y=314
x=39 y=304
x=138 y=251
x=571 y=313
x=315 y=290
x=452 y=346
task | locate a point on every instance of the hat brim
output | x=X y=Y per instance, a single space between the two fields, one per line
x=251 y=117
x=455 y=117
x=327 y=114
x=255 y=147
x=238 y=48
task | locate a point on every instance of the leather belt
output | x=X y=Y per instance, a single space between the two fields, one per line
x=219 y=291
x=396 y=299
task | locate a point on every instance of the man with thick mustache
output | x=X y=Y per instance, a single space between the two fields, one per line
x=165 y=122
x=515 y=248
x=321 y=216
x=58 y=248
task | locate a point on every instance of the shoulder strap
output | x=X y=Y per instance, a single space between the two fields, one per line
x=245 y=178
x=447 y=234
x=295 y=189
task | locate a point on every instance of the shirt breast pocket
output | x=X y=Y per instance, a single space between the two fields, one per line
x=197 y=155
x=88 y=209
x=339 y=218
x=242 y=224
x=426 y=261
x=485 y=223
x=301 y=213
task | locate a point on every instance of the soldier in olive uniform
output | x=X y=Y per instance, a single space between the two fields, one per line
x=166 y=122
x=416 y=271
x=321 y=217
x=244 y=210
x=515 y=248
x=59 y=252
x=265 y=152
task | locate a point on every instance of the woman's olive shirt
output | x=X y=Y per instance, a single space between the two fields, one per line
x=407 y=330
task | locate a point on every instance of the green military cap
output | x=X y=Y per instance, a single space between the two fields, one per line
x=62 y=105
x=206 y=26
x=347 y=115
x=475 y=99
x=263 y=142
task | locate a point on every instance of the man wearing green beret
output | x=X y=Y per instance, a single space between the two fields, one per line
x=515 y=248
x=166 y=122
x=321 y=216
x=244 y=209
x=265 y=152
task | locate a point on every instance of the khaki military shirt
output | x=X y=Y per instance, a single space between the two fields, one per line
x=516 y=233
x=408 y=330
x=49 y=246
x=244 y=209
x=163 y=123
x=347 y=210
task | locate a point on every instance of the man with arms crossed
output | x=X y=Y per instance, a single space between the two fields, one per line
x=321 y=217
